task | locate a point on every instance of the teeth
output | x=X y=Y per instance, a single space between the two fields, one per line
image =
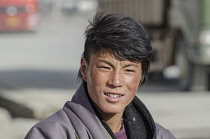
x=113 y=95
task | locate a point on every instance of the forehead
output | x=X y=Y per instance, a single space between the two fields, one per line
x=106 y=54
x=110 y=56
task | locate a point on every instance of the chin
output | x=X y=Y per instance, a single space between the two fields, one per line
x=111 y=110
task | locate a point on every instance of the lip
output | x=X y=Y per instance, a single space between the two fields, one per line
x=117 y=98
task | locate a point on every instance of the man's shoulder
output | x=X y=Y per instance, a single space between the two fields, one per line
x=163 y=133
x=52 y=127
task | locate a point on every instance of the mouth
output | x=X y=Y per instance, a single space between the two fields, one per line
x=113 y=95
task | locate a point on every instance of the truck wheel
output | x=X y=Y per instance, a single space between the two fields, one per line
x=200 y=80
x=184 y=65
x=192 y=77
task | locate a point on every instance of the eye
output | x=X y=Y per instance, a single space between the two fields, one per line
x=104 y=67
x=128 y=70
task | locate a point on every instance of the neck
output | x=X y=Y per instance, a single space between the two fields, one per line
x=115 y=124
x=114 y=121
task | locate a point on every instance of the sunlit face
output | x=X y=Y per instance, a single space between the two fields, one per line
x=112 y=84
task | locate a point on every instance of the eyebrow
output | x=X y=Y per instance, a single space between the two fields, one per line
x=109 y=63
x=130 y=65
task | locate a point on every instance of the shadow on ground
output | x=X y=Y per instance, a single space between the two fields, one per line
x=40 y=79
x=44 y=79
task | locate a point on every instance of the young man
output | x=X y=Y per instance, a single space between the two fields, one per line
x=115 y=62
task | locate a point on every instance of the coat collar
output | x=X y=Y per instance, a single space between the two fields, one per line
x=138 y=120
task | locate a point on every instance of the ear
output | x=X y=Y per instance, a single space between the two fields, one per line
x=83 y=69
x=142 y=81
x=142 y=77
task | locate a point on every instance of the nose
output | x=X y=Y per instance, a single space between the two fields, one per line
x=115 y=79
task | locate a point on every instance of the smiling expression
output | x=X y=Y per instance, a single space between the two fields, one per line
x=111 y=83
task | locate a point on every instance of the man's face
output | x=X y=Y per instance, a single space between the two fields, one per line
x=111 y=84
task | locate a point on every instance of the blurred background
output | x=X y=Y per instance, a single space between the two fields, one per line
x=41 y=42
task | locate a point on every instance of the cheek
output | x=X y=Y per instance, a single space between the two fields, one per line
x=133 y=83
x=134 y=79
x=96 y=79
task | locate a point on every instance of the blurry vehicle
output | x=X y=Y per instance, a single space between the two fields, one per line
x=86 y=6
x=18 y=15
x=68 y=6
x=180 y=34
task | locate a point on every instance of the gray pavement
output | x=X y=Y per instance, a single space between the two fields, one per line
x=185 y=115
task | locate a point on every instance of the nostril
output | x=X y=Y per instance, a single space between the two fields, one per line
x=114 y=83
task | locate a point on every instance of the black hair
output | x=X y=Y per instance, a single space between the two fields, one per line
x=122 y=36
